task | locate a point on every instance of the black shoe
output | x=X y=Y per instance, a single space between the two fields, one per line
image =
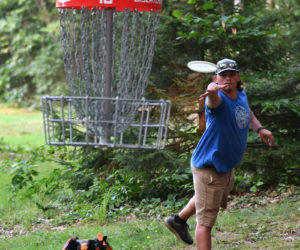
x=180 y=230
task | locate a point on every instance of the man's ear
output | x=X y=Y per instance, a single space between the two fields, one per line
x=215 y=78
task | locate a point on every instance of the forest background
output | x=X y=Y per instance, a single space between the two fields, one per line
x=263 y=36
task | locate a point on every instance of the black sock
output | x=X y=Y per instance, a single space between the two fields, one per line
x=179 y=220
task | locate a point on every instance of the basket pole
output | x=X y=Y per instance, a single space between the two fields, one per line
x=105 y=138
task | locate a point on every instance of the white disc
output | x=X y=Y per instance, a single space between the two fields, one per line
x=202 y=66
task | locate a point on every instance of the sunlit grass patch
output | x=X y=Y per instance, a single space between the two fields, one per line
x=21 y=127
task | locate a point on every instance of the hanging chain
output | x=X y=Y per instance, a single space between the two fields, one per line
x=83 y=39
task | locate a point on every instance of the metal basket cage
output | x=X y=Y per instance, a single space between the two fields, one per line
x=63 y=126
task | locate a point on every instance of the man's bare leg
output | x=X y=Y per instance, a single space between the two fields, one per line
x=203 y=237
x=189 y=210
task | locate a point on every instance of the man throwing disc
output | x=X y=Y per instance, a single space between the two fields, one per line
x=220 y=149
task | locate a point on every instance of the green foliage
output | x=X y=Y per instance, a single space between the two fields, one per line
x=114 y=185
x=22 y=174
x=163 y=170
x=126 y=172
x=101 y=211
x=264 y=167
x=210 y=30
x=29 y=49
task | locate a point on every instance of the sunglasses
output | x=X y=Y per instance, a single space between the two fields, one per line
x=227 y=65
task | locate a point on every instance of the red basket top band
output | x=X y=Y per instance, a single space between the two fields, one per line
x=119 y=5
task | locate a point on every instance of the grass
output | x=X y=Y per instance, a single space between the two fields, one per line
x=275 y=226
x=265 y=221
x=5 y=181
x=21 y=127
x=133 y=234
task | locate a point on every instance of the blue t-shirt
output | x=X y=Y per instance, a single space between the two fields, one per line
x=224 y=140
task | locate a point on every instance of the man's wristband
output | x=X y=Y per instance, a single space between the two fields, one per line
x=259 y=129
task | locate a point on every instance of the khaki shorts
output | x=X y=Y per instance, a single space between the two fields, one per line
x=211 y=192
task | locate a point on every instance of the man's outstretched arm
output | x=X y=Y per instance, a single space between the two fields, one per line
x=213 y=98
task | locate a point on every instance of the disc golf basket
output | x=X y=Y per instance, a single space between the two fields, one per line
x=108 y=47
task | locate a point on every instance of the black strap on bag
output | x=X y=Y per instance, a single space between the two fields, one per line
x=72 y=244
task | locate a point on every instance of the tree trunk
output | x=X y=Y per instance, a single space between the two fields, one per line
x=271 y=4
